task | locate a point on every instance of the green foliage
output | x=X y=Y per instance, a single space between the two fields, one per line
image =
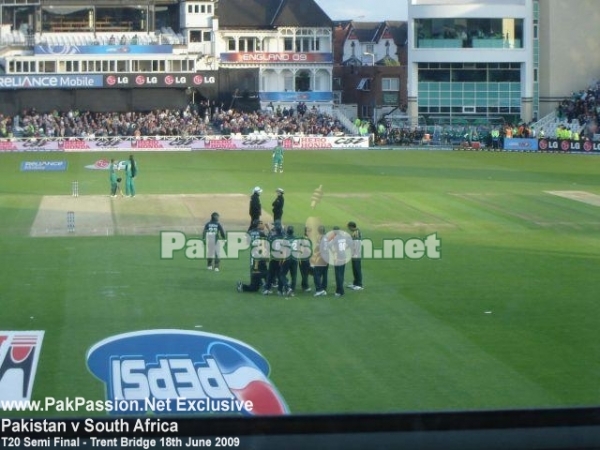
x=389 y=62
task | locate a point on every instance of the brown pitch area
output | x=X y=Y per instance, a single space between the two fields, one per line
x=98 y=215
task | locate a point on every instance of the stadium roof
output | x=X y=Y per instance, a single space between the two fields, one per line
x=271 y=14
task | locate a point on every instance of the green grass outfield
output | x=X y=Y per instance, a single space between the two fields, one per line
x=508 y=317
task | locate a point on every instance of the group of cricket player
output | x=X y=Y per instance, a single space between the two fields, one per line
x=281 y=260
x=299 y=257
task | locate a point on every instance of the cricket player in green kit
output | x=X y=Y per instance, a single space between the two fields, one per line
x=112 y=176
x=278 y=159
x=130 y=173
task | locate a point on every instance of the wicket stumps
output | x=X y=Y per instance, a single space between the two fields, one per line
x=71 y=221
x=75 y=188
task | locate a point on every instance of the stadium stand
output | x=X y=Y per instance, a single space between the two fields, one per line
x=579 y=113
x=281 y=121
x=195 y=120
x=68 y=124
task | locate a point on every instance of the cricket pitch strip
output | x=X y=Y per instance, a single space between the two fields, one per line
x=101 y=215
x=580 y=196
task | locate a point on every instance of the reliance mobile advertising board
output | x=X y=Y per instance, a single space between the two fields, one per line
x=114 y=80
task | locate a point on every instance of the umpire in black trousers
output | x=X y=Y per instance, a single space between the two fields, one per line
x=356 y=236
x=255 y=206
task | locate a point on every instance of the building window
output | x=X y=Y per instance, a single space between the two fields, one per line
x=366 y=111
x=390 y=84
x=158 y=66
x=304 y=44
x=364 y=84
x=73 y=66
x=47 y=66
x=195 y=36
x=318 y=84
x=288 y=44
x=504 y=33
x=303 y=81
x=231 y=44
x=247 y=44
x=288 y=82
x=200 y=36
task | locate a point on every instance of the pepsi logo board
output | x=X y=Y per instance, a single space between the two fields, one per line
x=19 y=355
x=103 y=164
x=184 y=372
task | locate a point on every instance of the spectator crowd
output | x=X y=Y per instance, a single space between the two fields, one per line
x=278 y=121
x=101 y=124
x=194 y=120
x=582 y=107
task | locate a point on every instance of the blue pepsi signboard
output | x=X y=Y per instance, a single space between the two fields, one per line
x=183 y=372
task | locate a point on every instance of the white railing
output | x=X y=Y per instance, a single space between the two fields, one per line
x=344 y=120
x=548 y=125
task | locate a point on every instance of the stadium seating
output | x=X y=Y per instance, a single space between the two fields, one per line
x=190 y=122
x=579 y=113
x=99 y=38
